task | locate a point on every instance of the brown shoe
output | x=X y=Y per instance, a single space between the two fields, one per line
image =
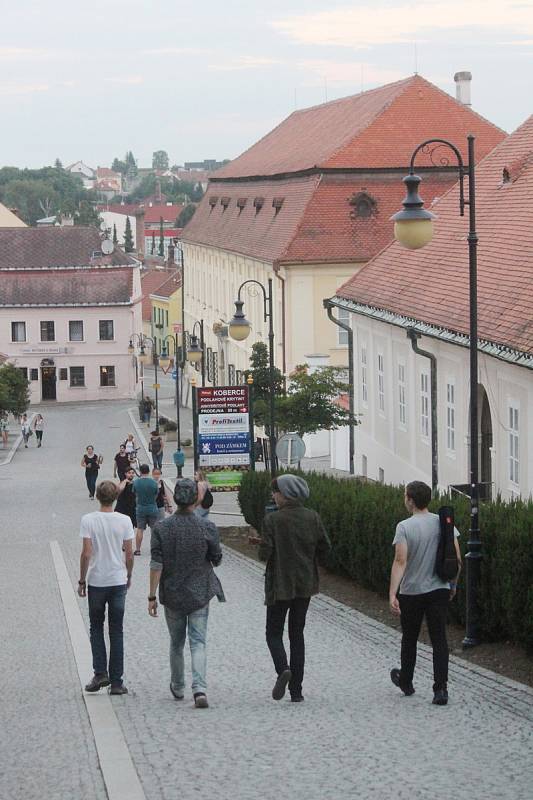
x=118 y=688
x=97 y=682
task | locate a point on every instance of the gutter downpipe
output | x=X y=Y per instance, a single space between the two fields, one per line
x=414 y=335
x=283 y=327
x=329 y=306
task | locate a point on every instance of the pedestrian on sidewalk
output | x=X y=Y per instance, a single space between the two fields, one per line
x=146 y=490
x=129 y=444
x=91 y=462
x=4 y=429
x=121 y=463
x=416 y=591
x=148 y=405
x=25 y=429
x=184 y=550
x=163 y=500
x=155 y=446
x=126 y=503
x=106 y=579
x=38 y=427
x=205 y=498
x=292 y=540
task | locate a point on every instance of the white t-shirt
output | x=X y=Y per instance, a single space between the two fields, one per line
x=129 y=446
x=107 y=530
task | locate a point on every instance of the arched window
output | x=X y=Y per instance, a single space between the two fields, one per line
x=364 y=206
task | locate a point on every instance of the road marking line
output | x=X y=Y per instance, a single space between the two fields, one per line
x=119 y=774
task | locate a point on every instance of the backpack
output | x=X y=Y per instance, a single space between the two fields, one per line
x=446 y=564
x=207 y=500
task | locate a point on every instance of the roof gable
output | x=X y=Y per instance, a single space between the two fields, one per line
x=51 y=247
x=91 y=287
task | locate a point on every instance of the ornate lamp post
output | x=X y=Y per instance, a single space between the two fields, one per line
x=239 y=329
x=414 y=228
x=164 y=361
x=144 y=359
x=196 y=348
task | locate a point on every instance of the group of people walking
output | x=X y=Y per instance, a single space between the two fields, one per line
x=185 y=548
x=27 y=429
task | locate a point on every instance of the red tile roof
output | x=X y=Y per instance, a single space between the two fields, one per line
x=432 y=284
x=66 y=287
x=169 y=213
x=151 y=280
x=259 y=233
x=128 y=209
x=50 y=246
x=378 y=128
x=169 y=286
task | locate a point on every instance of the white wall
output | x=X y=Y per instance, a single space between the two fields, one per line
x=110 y=218
x=402 y=450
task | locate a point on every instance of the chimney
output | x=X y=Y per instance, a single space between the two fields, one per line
x=139 y=231
x=170 y=256
x=462 y=87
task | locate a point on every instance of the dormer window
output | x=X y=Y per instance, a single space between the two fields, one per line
x=506 y=175
x=258 y=204
x=364 y=206
x=277 y=204
x=213 y=201
x=241 y=203
x=224 y=202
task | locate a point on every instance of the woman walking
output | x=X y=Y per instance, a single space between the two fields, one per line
x=38 y=427
x=25 y=429
x=91 y=462
x=4 y=429
x=205 y=498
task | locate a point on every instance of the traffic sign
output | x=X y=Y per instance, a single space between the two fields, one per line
x=290 y=449
x=156 y=385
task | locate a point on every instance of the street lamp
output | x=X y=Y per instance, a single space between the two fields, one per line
x=131 y=350
x=144 y=359
x=196 y=348
x=414 y=228
x=239 y=329
x=164 y=361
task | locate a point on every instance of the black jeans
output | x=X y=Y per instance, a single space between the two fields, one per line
x=115 y=597
x=413 y=607
x=39 y=435
x=275 y=624
x=90 y=477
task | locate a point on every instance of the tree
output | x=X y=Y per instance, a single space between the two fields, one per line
x=259 y=363
x=87 y=214
x=153 y=244
x=58 y=164
x=161 y=250
x=14 y=389
x=115 y=237
x=119 y=166
x=131 y=164
x=42 y=192
x=311 y=402
x=128 y=237
x=160 y=159
x=186 y=214
x=33 y=199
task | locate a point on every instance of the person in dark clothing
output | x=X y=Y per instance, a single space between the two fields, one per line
x=163 y=500
x=91 y=462
x=122 y=463
x=155 y=446
x=126 y=501
x=292 y=539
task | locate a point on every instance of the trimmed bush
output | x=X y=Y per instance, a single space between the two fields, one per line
x=361 y=519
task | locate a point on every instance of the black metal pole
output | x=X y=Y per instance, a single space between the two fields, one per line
x=156 y=391
x=194 y=426
x=272 y=436
x=178 y=419
x=250 y=384
x=202 y=345
x=473 y=557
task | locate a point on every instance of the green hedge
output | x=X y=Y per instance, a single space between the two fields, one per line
x=361 y=519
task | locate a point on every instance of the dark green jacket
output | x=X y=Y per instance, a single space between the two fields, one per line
x=291 y=540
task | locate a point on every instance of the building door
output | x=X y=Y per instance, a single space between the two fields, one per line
x=48 y=383
x=485 y=444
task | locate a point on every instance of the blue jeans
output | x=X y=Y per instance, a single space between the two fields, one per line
x=115 y=597
x=157 y=459
x=177 y=627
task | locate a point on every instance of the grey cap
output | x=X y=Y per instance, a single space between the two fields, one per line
x=293 y=487
x=185 y=492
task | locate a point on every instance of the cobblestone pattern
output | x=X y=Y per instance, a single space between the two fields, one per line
x=355 y=735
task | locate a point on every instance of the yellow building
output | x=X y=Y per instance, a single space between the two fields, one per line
x=166 y=313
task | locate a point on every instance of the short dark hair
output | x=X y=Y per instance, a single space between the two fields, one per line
x=144 y=469
x=106 y=492
x=419 y=492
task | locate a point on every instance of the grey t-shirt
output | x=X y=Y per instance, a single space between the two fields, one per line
x=421 y=533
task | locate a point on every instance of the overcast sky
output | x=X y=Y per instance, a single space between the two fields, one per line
x=205 y=79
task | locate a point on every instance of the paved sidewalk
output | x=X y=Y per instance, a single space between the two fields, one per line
x=355 y=736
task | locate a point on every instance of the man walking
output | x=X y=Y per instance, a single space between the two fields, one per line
x=155 y=446
x=126 y=503
x=103 y=571
x=146 y=510
x=184 y=550
x=417 y=591
x=292 y=540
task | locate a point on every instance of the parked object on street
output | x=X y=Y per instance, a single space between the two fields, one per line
x=105 y=578
x=146 y=490
x=184 y=550
x=38 y=427
x=91 y=462
x=416 y=590
x=293 y=537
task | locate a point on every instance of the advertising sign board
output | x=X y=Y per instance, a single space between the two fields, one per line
x=223 y=443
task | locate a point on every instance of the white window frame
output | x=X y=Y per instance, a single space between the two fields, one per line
x=364 y=374
x=402 y=395
x=425 y=398
x=513 y=419
x=381 y=383
x=343 y=315
x=451 y=416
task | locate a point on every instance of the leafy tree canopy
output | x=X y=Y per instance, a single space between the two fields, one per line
x=160 y=160
x=175 y=191
x=14 y=390
x=186 y=215
x=128 y=237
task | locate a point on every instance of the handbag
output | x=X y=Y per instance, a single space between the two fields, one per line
x=207 y=500
x=446 y=564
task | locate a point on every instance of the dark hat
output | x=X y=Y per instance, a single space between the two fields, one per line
x=185 y=492
x=293 y=487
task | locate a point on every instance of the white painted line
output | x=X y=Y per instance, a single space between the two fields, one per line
x=120 y=776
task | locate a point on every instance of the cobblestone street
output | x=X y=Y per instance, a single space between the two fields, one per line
x=355 y=736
